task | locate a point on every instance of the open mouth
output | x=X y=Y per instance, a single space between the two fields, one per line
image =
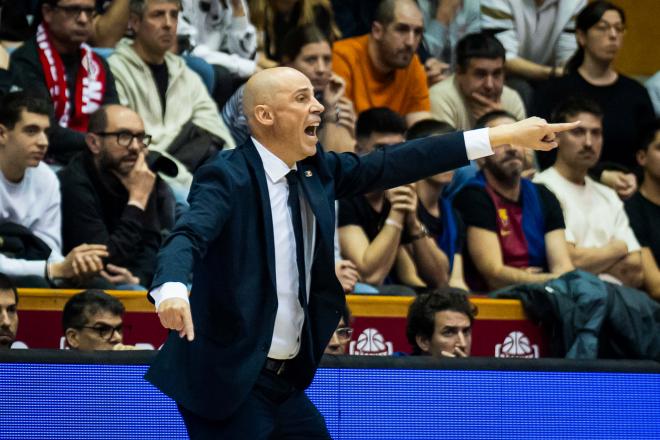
x=310 y=130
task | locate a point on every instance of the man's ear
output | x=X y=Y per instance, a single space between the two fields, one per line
x=4 y=132
x=581 y=38
x=134 y=21
x=93 y=143
x=264 y=115
x=641 y=158
x=377 y=30
x=47 y=12
x=71 y=335
x=423 y=343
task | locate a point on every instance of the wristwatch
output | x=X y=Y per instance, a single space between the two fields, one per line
x=421 y=234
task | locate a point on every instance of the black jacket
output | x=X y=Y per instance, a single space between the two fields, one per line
x=95 y=210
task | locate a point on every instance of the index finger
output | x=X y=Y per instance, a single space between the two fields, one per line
x=188 y=327
x=563 y=126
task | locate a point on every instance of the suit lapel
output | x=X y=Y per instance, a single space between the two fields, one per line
x=316 y=198
x=254 y=162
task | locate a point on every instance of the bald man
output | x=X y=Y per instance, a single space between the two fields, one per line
x=258 y=239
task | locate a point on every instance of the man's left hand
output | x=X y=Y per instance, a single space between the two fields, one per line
x=532 y=132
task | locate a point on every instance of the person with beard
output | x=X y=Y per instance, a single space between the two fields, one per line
x=381 y=68
x=597 y=228
x=477 y=87
x=515 y=228
x=30 y=217
x=111 y=197
x=8 y=312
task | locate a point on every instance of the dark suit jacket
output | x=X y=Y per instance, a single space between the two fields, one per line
x=226 y=238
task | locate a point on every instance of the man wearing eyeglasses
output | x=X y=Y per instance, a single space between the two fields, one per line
x=111 y=197
x=59 y=64
x=93 y=320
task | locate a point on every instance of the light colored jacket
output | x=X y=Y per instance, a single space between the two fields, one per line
x=186 y=100
x=517 y=21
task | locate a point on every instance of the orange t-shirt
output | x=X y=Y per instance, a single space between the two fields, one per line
x=404 y=90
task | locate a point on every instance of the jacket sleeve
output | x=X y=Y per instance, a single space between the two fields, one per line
x=396 y=165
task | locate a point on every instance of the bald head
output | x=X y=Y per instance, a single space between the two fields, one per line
x=283 y=113
x=98 y=121
x=262 y=88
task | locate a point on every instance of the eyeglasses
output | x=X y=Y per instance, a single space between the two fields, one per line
x=344 y=333
x=606 y=28
x=106 y=331
x=125 y=138
x=74 y=11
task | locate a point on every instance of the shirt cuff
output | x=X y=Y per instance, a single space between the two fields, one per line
x=477 y=143
x=169 y=290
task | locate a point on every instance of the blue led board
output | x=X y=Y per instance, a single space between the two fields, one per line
x=72 y=401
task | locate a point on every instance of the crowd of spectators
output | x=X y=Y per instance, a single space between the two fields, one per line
x=107 y=108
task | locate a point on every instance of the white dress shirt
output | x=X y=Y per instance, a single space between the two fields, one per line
x=290 y=316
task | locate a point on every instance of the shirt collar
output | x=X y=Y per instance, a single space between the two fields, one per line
x=274 y=167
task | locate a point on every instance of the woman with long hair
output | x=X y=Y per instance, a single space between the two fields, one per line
x=626 y=105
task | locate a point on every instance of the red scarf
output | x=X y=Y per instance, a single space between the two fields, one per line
x=90 y=82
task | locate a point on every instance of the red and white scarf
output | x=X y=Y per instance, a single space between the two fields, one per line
x=90 y=82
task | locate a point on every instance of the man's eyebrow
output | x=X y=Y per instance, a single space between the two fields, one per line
x=302 y=89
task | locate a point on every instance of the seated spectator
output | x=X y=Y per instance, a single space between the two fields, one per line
x=59 y=64
x=342 y=335
x=109 y=21
x=477 y=87
x=440 y=323
x=93 y=320
x=273 y=17
x=653 y=88
x=374 y=228
x=221 y=33
x=381 y=69
x=437 y=213
x=626 y=106
x=445 y=23
x=597 y=229
x=8 y=312
x=537 y=35
x=515 y=229
x=173 y=102
x=30 y=216
x=111 y=197
x=308 y=50
x=643 y=210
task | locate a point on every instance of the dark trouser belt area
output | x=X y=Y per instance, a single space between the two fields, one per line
x=276 y=366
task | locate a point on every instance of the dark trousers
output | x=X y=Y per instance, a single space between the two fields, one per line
x=274 y=409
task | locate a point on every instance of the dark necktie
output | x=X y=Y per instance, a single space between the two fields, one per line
x=294 y=204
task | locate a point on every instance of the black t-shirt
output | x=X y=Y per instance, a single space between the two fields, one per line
x=357 y=211
x=477 y=208
x=644 y=217
x=162 y=79
x=627 y=110
x=435 y=227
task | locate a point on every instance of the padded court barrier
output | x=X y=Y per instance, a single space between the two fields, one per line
x=58 y=394
x=501 y=328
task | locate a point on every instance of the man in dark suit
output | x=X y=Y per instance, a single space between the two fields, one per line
x=259 y=240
